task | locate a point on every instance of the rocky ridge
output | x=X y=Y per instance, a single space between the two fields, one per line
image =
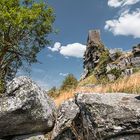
x=27 y=113
x=111 y=63
x=99 y=117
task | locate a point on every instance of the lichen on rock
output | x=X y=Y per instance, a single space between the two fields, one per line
x=99 y=117
x=25 y=108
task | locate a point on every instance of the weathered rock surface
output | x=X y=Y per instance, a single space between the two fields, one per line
x=128 y=137
x=26 y=113
x=93 y=51
x=102 y=61
x=114 y=116
x=37 y=136
x=135 y=61
x=136 y=50
x=25 y=109
x=65 y=116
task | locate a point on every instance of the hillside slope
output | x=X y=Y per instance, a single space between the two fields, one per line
x=128 y=84
x=106 y=70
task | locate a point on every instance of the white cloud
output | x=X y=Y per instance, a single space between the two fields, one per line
x=63 y=74
x=74 y=50
x=118 y=3
x=114 y=3
x=130 y=2
x=70 y=50
x=56 y=47
x=127 y=24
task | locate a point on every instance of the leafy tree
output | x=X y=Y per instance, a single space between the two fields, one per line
x=24 y=29
x=69 y=82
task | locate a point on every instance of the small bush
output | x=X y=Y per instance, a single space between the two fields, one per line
x=100 y=70
x=118 y=54
x=116 y=72
x=103 y=80
x=136 y=70
x=70 y=82
x=53 y=92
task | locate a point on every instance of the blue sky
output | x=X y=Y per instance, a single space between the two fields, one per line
x=118 y=21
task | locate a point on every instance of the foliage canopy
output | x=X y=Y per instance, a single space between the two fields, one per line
x=24 y=29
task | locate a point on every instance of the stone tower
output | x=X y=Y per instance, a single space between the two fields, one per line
x=94 y=36
x=93 y=51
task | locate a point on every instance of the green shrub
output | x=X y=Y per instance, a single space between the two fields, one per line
x=70 y=82
x=116 y=72
x=103 y=79
x=118 y=54
x=100 y=70
x=136 y=70
x=53 y=92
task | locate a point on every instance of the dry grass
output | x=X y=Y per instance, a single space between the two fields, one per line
x=89 y=80
x=64 y=95
x=129 y=84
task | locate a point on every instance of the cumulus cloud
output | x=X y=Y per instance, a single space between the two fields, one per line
x=63 y=74
x=74 y=50
x=128 y=23
x=114 y=3
x=118 y=3
x=70 y=50
x=56 y=47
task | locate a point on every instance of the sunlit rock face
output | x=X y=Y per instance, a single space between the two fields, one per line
x=36 y=136
x=25 y=108
x=117 y=63
x=66 y=115
x=93 y=51
x=94 y=116
x=136 y=50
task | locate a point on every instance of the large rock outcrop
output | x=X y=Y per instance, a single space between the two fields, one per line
x=65 y=117
x=125 y=64
x=92 y=116
x=93 y=51
x=25 y=109
x=136 y=50
x=27 y=113
x=111 y=63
